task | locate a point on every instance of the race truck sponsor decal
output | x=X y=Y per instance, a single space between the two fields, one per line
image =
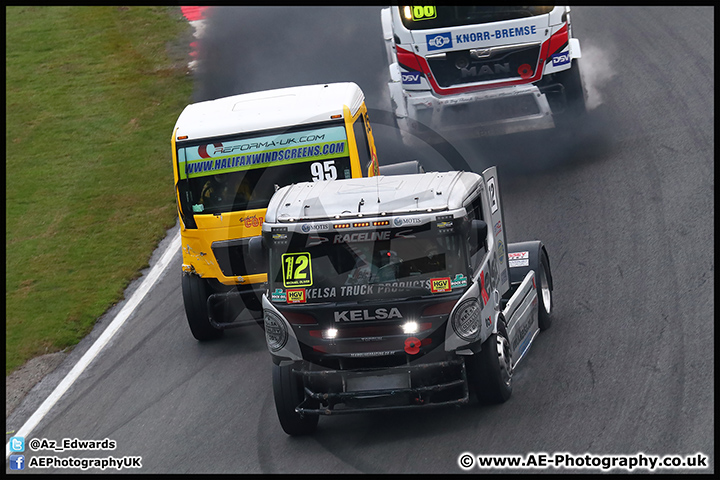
x=439 y=285
x=393 y=287
x=358 y=315
x=400 y=221
x=296 y=295
x=486 y=35
x=297 y=269
x=560 y=59
x=357 y=290
x=484 y=288
x=319 y=293
x=486 y=281
x=314 y=226
x=252 y=221
x=361 y=237
x=268 y=151
x=439 y=41
x=498 y=228
x=460 y=281
x=501 y=251
x=518 y=259
x=278 y=295
x=524 y=329
x=411 y=78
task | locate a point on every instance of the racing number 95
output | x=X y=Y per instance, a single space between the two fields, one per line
x=297 y=269
x=323 y=170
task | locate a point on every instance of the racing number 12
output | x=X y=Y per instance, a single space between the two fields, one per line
x=297 y=270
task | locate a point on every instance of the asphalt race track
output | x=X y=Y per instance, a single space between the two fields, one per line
x=624 y=204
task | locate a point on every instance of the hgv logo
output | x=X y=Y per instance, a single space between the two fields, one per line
x=296 y=296
x=438 y=41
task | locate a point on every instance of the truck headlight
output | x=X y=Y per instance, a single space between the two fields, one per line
x=466 y=320
x=276 y=332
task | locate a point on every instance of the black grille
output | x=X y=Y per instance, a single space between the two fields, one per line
x=233 y=258
x=459 y=67
x=490 y=110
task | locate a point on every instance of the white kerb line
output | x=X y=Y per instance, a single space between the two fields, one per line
x=104 y=338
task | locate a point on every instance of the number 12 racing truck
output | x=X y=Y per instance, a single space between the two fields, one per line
x=473 y=71
x=396 y=292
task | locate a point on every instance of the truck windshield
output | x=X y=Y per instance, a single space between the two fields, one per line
x=365 y=265
x=425 y=18
x=242 y=173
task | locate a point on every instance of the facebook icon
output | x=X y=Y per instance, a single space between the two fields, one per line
x=17 y=462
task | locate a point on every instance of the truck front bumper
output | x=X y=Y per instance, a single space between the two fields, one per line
x=491 y=112
x=331 y=392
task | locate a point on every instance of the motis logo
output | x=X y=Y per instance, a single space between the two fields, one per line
x=560 y=59
x=411 y=78
x=439 y=41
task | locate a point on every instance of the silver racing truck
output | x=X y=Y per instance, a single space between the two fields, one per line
x=396 y=292
x=480 y=70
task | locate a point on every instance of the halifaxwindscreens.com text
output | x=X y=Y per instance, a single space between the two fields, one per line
x=565 y=460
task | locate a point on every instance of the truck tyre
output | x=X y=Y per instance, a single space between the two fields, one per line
x=288 y=392
x=544 y=292
x=195 y=294
x=490 y=370
x=574 y=95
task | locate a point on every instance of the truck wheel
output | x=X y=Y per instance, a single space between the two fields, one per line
x=490 y=370
x=195 y=294
x=288 y=392
x=544 y=292
x=574 y=95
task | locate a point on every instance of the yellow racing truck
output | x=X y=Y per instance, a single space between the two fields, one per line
x=230 y=155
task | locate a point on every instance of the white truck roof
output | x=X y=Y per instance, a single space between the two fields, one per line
x=268 y=109
x=358 y=197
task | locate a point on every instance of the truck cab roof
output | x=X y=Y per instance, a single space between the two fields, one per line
x=371 y=197
x=279 y=108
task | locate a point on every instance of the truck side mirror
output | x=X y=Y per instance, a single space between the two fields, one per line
x=478 y=232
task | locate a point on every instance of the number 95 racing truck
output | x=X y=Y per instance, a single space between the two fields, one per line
x=396 y=292
x=230 y=155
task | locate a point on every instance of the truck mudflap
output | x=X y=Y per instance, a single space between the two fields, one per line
x=333 y=392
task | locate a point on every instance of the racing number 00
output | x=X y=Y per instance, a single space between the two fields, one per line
x=297 y=269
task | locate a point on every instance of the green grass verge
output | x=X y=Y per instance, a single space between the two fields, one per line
x=92 y=96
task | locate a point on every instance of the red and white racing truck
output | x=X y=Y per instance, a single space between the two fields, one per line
x=475 y=71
